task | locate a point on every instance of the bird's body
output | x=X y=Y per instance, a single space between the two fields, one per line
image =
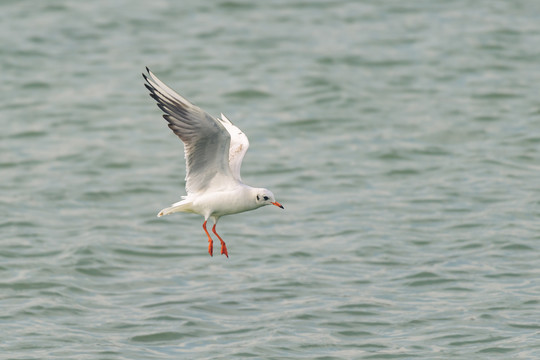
x=214 y=149
x=217 y=203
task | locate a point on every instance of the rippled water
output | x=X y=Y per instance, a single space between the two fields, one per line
x=402 y=137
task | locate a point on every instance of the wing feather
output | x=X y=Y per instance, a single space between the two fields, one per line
x=206 y=140
x=238 y=148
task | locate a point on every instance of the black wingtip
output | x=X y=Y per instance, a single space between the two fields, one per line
x=147 y=72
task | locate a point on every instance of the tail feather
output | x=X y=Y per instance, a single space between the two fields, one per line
x=177 y=207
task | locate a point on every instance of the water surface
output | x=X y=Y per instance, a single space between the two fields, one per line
x=402 y=139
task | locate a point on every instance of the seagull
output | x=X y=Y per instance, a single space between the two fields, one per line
x=214 y=149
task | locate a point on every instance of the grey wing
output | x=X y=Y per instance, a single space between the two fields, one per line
x=206 y=141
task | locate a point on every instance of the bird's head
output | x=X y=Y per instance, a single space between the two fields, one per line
x=265 y=197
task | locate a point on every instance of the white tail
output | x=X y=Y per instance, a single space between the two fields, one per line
x=177 y=207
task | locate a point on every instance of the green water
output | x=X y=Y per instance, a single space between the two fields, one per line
x=402 y=138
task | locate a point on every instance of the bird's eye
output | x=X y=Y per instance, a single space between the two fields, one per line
x=266 y=198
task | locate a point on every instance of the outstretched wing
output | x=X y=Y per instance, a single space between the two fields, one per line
x=239 y=146
x=206 y=140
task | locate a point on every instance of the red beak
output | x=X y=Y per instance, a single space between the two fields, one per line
x=278 y=205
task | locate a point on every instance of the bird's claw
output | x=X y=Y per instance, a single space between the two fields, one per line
x=224 y=250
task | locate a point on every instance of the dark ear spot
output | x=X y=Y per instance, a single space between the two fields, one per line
x=258 y=198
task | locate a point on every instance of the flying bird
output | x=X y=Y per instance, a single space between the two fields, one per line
x=214 y=149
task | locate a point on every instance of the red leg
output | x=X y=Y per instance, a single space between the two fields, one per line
x=210 y=242
x=223 y=246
